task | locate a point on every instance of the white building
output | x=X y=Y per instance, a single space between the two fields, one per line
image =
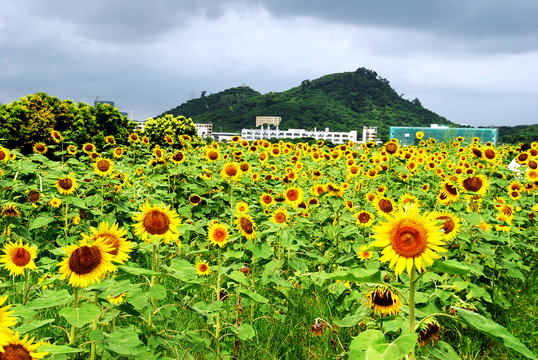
x=204 y=130
x=276 y=133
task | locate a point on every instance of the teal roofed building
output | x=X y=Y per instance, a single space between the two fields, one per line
x=442 y=133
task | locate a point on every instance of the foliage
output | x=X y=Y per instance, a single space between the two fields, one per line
x=32 y=118
x=175 y=127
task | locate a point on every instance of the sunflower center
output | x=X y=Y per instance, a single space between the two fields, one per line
x=489 y=154
x=213 y=155
x=472 y=184
x=363 y=217
x=219 y=235
x=246 y=225
x=20 y=257
x=15 y=352
x=112 y=241
x=477 y=152
x=409 y=240
x=88 y=148
x=245 y=167
x=385 y=205
x=391 y=148
x=448 y=225
x=103 y=165
x=3 y=155
x=382 y=298
x=84 y=260
x=202 y=267
x=292 y=195
x=33 y=196
x=231 y=170
x=195 y=199
x=40 y=147
x=65 y=183
x=451 y=189
x=156 y=223
x=178 y=156
x=280 y=218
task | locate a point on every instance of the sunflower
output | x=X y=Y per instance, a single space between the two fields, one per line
x=66 y=185
x=145 y=141
x=280 y=216
x=448 y=192
x=6 y=320
x=194 y=199
x=16 y=348
x=169 y=140
x=40 y=148
x=429 y=330
x=212 y=154
x=408 y=238
x=178 y=157
x=103 y=167
x=157 y=221
x=71 y=149
x=451 y=224
x=474 y=183
x=86 y=263
x=231 y=171
x=419 y=135
x=202 y=268
x=4 y=154
x=18 y=256
x=55 y=202
x=532 y=175
x=217 y=234
x=384 y=205
x=88 y=148
x=117 y=299
x=114 y=237
x=364 y=253
x=11 y=210
x=246 y=225
x=364 y=218
x=383 y=300
x=267 y=200
x=241 y=207
x=118 y=152
x=334 y=190
x=294 y=196
x=133 y=137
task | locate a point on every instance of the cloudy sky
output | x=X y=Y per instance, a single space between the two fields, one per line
x=472 y=61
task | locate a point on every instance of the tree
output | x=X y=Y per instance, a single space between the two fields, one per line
x=157 y=129
x=32 y=118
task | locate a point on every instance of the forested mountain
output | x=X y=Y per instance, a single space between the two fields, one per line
x=342 y=102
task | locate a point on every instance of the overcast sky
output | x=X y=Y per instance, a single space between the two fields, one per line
x=472 y=61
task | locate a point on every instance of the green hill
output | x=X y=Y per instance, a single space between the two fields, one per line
x=342 y=102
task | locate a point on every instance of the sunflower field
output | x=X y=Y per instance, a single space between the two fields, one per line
x=260 y=250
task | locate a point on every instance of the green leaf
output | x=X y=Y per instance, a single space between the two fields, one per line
x=298 y=264
x=401 y=346
x=371 y=354
x=40 y=221
x=244 y=331
x=442 y=351
x=365 y=339
x=57 y=349
x=80 y=316
x=137 y=271
x=124 y=342
x=253 y=296
x=356 y=275
x=50 y=298
x=33 y=325
x=77 y=202
x=451 y=267
x=262 y=251
x=239 y=277
x=157 y=291
x=354 y=319
x=496 y=331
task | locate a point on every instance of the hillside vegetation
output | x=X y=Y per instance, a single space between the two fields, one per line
x=342 y=102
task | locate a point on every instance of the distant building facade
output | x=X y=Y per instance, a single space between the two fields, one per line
x=204 y=130
x=443 y=133
x=276 y=133
x=268 y=120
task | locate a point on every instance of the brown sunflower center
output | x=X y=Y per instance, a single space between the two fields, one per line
x=391 y=148
x=156 y=223
x=3 y=155
x=118 y=151
x=472 y=183
x=40 y=147
x=65 y=183
x=202 y=267
x=292 y=194
x=103 y=165
x=20 y=257
x=489 y=154
x=231 y=170
x=178 y=156
x=451 y=189
x=354 y=170
x=33 y=196
x=246 y=225
x=219 y=235
x=477 y=152
x=267 y=199
x=15 y=352
x=409 y=240
x=363 y=217
x=195 y=199
x=213 y=155
x=84 y=260
x=382 y=298
x=245 y=167
x=88 y=148
x=280 y=217
x=448 y=225
x=385 y=205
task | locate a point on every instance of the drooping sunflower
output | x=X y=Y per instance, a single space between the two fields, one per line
x=40 y=148
x=218 y=234
x=364 y=218
x=103 y=167
x=157 y=222
x=88 y=148
x=334 y=189
x=86 y=263
x=66 y=185
x=294 y=195
x=18 y=256
x=280 y=216
x=451 y=224
x=430 y=330
x=21 y=349
x=34 y=196
x=409 y=239
x=202 y=268
x=448 y=192
x=11 y=210
x=56 y=136
x=474 y=183
x=114 y=236
x=383 y=300
x=246 y=225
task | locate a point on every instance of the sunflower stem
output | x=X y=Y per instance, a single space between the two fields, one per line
x=25 y=288
x=75 y=306
x=217 y=325
x=412 y=286
x=92 y=346
x=66 y=220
